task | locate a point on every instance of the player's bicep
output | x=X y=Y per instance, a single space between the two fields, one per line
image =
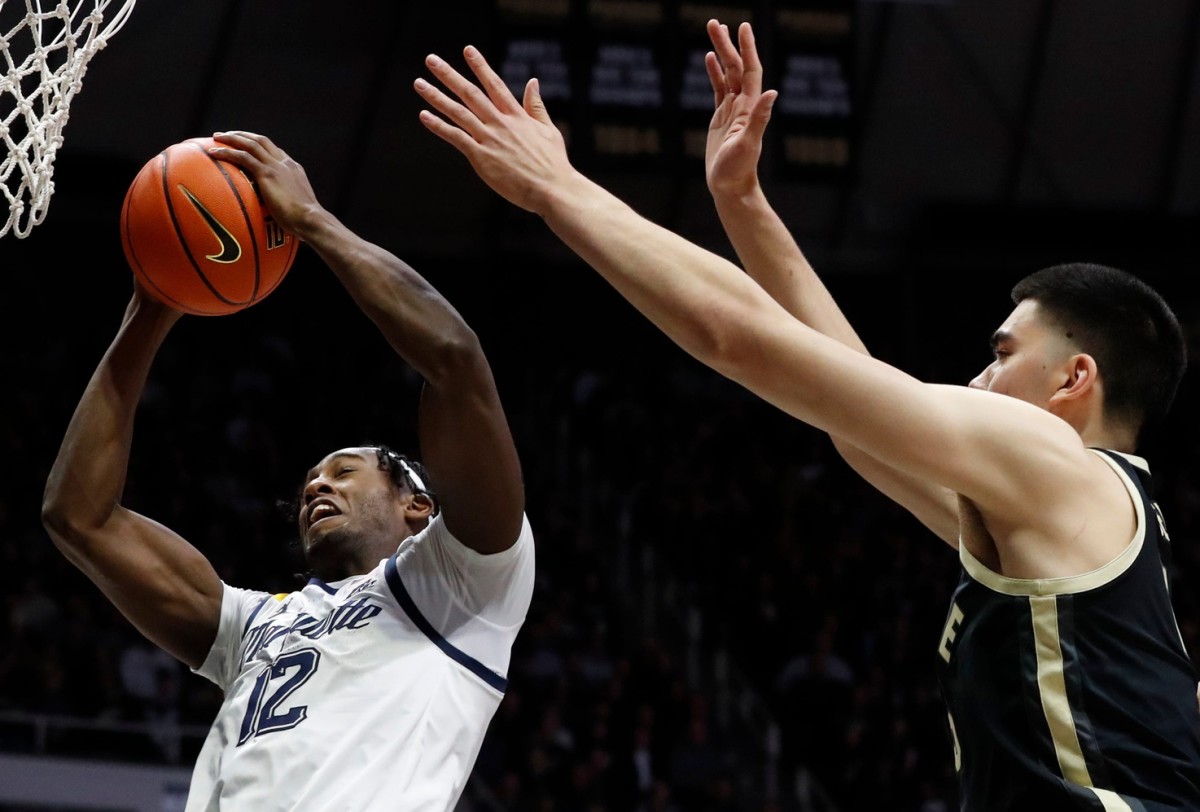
x=158 y=581
x=995 y=450
x=1002 y=453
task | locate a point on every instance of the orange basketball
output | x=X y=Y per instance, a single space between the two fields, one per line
x=197 y=235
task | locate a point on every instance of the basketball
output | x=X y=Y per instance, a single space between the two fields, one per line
x=197 y=235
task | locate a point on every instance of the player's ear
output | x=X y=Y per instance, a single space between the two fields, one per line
x=1082 y=376
x=420 y=507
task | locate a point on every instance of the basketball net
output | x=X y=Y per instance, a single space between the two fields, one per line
x=44 y=57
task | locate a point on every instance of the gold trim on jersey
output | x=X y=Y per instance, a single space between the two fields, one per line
x=1132 y=459
x=1052 y=690
x=1111 y=801
x=1070 y=584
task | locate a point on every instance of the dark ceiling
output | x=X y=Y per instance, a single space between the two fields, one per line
x=1081 y=106
x=988 y=138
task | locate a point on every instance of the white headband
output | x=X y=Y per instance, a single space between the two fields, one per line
x=412 y=475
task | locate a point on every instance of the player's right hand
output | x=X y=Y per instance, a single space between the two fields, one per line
x=741 y=111
x=280 y=180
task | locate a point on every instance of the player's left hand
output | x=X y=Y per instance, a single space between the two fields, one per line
x=741 y=111
x=141 y=302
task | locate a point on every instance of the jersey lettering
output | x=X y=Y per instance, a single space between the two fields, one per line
x=954 y=741
x=950 y=631
x=351 y=615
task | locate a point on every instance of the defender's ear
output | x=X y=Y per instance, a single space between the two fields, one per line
x=1082 y=377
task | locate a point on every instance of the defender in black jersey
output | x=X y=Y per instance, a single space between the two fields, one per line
x=1067 y=682
x=1076 y=692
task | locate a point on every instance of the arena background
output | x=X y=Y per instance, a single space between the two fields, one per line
x=726 y=618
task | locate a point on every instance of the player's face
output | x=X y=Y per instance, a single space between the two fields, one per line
x=1029 y=355
x=347 y=502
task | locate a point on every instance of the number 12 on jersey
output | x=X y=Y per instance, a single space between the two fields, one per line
x=274 y=685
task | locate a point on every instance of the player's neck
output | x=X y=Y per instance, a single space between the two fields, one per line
x=1094 y=427
x=358 y=561
x=1115 y=438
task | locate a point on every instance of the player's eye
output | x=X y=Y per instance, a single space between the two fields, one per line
x=344 y=471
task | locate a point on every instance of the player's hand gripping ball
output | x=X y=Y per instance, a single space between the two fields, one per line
x=197 y=235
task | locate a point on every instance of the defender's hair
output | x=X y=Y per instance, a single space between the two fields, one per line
x=1126 y=326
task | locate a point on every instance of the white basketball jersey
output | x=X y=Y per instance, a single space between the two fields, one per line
x=372 y=693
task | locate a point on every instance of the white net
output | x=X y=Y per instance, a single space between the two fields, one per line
x=44 y=57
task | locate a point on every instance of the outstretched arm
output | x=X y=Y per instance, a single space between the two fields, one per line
x=725 y=320
x=466 y=444
x=162 y=584
x=771 y=256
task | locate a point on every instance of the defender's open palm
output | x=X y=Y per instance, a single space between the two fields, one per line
x=741 y=110
x=513 y=146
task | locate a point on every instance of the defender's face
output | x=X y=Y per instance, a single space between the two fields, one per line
x=347 y=497
x=1028 y=357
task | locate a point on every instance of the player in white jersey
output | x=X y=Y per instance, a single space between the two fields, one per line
x=372 y=687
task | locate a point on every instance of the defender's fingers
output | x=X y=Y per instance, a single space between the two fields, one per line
x=533 y=104
x=716 y=77
x=718 y=33
x=729 y=57
x=447 y=132
x=752 y=69
x=496 y=89
x=761 y=114
x=451 y=109
x=469 y=94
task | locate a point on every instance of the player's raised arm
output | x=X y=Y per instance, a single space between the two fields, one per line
x=162 y=584
x=770 y=254
x=466 y=444
x=728 y=322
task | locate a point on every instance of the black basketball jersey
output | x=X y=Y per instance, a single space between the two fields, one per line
x=1074 y=693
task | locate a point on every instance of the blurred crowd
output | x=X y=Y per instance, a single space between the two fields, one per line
x=823 y=597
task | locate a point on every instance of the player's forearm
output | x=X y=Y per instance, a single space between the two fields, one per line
x=88 y=476
x=725 y=320
x=417 y=321
x=687 y=291
x=771 y=256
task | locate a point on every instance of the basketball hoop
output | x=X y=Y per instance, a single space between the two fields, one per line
x=44 y=57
